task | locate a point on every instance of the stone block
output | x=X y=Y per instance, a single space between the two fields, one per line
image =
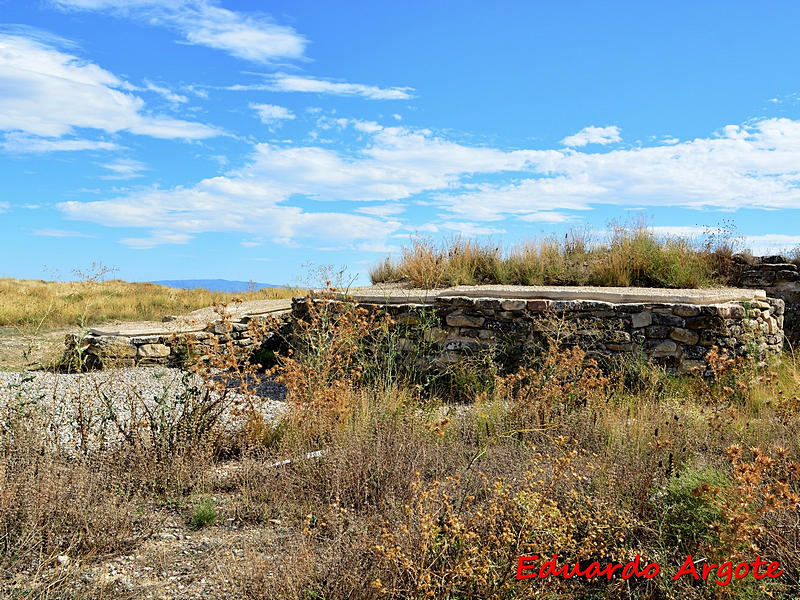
x=758 y=278
x=731 y=311
x=686 y=310
x=786 y=276
x=667 y=319
x=538 y=305
x=487 y=303
x=408 y=319
x=660 y=348
x=464 y=344
x=152 y=351
x=641 y=319
x=116 y=347
x=657 y=331
x=513 y=304
x=616 y=337
x=458 y=319
x=704 y=322
x=684 y=336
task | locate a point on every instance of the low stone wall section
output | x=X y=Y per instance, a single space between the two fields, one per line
x=100 y=349
x=779 y=278
x=676 y=335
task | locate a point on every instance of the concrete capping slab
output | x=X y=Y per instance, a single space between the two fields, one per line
x=612 y=295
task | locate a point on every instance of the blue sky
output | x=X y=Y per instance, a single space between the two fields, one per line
x=202 y=138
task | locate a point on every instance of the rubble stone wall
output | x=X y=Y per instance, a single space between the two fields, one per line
x=779 y=278
x=677 y=336
x=95 y=351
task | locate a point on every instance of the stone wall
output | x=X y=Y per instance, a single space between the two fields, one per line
x=779 y=278
x=101 y=349
x=675 y=335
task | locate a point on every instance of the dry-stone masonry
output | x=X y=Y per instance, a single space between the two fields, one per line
x=674 y=328
x=780 y=279
x=168 y=343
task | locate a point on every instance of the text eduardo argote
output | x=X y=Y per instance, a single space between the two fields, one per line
x=529 y=567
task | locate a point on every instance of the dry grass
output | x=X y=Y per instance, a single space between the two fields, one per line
x=409 y=495
x=31 y=304
x=627 y=256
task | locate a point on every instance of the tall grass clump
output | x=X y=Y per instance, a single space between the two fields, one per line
x=628 y=255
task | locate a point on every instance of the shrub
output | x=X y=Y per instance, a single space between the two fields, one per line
x=688 y=512
x=204 y=513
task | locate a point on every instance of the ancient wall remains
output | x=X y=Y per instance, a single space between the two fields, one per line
x=677 y=335
x=779 y=278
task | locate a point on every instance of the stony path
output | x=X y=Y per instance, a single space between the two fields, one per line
x=58 y=397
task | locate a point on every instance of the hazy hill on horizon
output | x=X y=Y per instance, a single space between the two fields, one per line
x=215 y=285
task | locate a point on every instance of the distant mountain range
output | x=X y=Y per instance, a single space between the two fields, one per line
x=215 y=285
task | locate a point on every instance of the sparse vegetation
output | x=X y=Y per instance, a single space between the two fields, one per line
x=386 y=481
x=629 y=255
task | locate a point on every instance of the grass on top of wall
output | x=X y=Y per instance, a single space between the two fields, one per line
x=627 y=256
x=32 y=304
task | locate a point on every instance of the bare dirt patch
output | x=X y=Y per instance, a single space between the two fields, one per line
x=21 y=351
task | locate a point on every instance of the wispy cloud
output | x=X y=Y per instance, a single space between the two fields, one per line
x=19 y=143
x=593 y=135
x=167 y=93
x=48 y=93
x=253 y=37
x=124 y=168
x=772 y=243
x=470 y=229
x=271 y=114
x=60 y=233
x=282 y=82
x=156 y=238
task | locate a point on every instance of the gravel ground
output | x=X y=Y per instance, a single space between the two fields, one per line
x=85 y=401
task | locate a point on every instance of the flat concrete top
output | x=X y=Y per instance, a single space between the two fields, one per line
x=615 y=295
x=194 y=321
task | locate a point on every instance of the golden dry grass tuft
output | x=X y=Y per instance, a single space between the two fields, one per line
x=627 y=255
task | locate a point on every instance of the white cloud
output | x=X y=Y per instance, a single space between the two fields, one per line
x=49 y=93
x=772 y=243
x=271 y=114
x=282 y=82
x=167 y=93
x=755 y=166
x=60 y=233
x=593 y=135
x=382 y=210
x=682 y=231
x=156 y=238
x=3 y=206
x=546 y=216
x=18 y=143
x=471 y=229
x=124 y=168
x=248 y=36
